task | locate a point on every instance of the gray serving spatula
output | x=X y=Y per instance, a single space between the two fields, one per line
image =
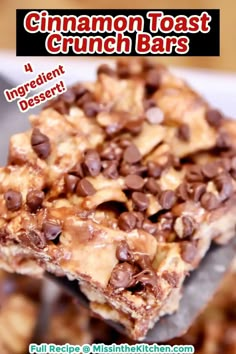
x=198 y=289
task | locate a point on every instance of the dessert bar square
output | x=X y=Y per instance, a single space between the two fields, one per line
x=122 y=184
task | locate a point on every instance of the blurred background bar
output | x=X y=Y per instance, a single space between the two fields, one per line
x=227 y=60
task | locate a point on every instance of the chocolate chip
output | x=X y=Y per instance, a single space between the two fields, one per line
x=79 y=90
x=40 y=144
x=91 y=108
x=149 y=226
x=37 y=238
x=70 y=183
x=225 y=163
x=123 y=252
x=188 y=251
x=106 y=69
x=69 y=96
x=184 y=226
x=134 y=126
x=224 y=185
x=85 y=97
x=58 y=105
x=223 y=141
x=37 y=137
x=13 y=200
x=152 y=187
x=174 y=161
x=198 y=189
x=147 y=277
x=154 y=115
x=127 y=221
x=214 y=117
x=148 y=64
x=110 y=169
x=123 y=70
x=209 y=201
x=122 y=275
x=85 y=188
x=132 y=154
x=134 y=182
x=34 y=200
x=153 y=80
x=51 y=230
x=167 y=199
x=77 y=170
x=183 y=132
x=140 y=201
x=92 y=162
x=182 y=192
x=139 y=219
x=194 y=174
x=153 y=169
x=125 y=169
x=210 y=169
